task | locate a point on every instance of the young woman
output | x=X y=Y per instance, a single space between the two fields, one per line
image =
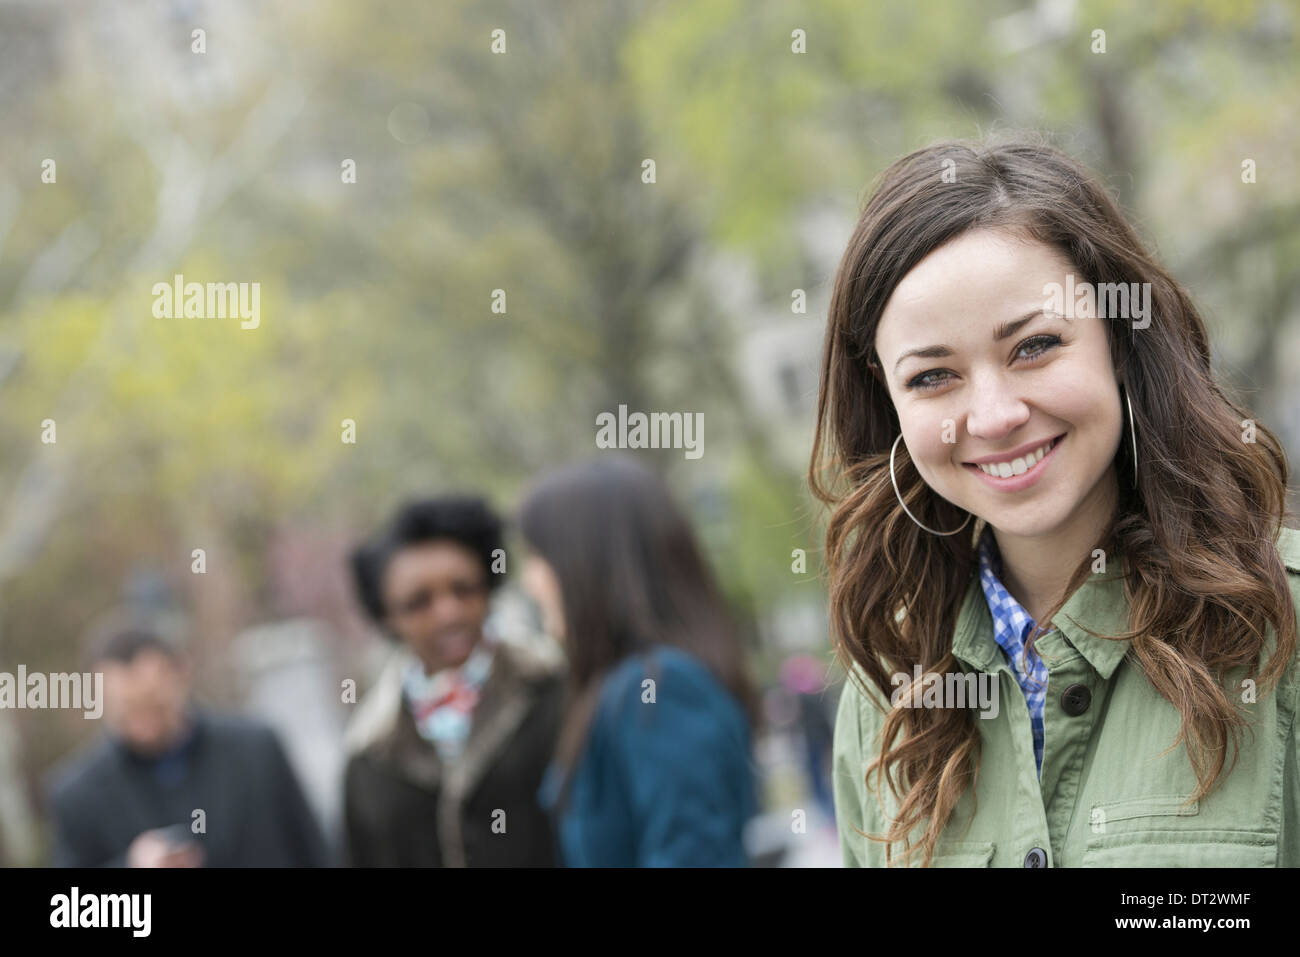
x=653 y=765
x=1040 y=489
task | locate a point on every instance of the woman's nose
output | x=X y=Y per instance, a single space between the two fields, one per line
x=995 y=410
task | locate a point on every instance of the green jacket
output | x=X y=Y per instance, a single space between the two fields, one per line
x=1108 y=796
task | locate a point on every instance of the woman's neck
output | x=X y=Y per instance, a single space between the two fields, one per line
x=1036 y=569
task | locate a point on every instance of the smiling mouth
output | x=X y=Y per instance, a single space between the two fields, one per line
x=1016 y=466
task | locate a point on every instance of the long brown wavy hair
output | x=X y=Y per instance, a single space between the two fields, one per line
x=1203 y=577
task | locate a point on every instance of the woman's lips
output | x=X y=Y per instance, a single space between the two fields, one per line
x=1017 y=483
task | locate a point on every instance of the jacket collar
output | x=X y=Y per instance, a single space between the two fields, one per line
x=1099 y=604
x=196 y=724
x=384 y=728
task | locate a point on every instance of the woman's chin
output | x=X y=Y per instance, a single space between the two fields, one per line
x=1029 y=522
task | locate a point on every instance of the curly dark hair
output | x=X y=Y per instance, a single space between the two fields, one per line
x=464 y=519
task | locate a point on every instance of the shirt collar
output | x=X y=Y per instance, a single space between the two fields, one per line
x=1011 y=623
x=1099 y=604
x=423 y=689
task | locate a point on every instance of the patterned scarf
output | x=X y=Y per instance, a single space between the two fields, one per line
x=442 y=704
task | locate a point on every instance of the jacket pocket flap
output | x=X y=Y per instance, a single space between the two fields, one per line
x=1178 y=848
x=1160 y=805
x=963 y=854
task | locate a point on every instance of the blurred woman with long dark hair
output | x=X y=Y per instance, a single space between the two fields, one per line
x=653 y=765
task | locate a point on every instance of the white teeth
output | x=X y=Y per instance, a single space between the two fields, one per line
x=1017 y=466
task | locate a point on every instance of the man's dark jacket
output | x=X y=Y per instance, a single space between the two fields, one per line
x=233 y=769
x=403 y=807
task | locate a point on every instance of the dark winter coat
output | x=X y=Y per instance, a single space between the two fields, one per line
x=233 y=769
x=403 y=807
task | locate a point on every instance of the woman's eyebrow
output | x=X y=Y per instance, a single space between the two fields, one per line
x=1003 y=331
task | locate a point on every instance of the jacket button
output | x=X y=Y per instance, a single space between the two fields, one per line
x=1075 y=700
x=1036 y=858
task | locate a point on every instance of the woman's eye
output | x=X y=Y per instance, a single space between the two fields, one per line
x=1038 y=345
x=924 y=381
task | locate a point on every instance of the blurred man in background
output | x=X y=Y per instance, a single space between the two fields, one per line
x=172 y=785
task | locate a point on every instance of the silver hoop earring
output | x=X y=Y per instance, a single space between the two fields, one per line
x=899 y=496
x=1132 y=431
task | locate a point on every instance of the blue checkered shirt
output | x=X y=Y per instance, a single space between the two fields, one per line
x=1011 y=627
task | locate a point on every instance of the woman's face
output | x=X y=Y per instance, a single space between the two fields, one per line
x=1004 y=380
x=436 y=600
